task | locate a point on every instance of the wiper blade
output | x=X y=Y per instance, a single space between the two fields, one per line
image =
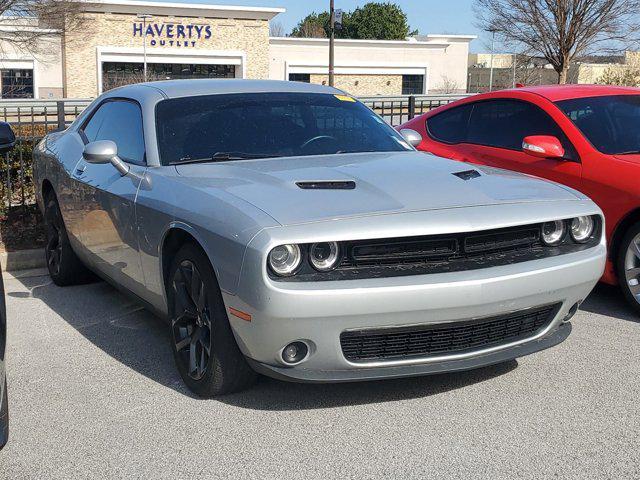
x=222 y=157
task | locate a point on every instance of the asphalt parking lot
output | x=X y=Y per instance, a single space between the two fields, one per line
x=94 y=394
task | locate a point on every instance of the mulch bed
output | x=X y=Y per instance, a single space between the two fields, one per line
x=21 y=228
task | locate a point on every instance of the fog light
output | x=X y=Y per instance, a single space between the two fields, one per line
x=294 y=352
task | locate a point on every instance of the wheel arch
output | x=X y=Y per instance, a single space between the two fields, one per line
x=177 y=235
x=47 y=187
x=630 y=219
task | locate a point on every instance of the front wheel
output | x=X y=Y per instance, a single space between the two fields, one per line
x=628 y=266
x=204 y=348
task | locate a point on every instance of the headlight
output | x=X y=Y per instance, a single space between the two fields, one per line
x=553 y=232
x=324 y=256
x=284 y=260
x=581 y=229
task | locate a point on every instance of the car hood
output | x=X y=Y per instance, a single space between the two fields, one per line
x=385 y=183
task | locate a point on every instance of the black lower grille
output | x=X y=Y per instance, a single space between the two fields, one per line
x=449 y=338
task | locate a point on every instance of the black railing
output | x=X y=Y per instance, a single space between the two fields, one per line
x=33 y=119
x=398 y=110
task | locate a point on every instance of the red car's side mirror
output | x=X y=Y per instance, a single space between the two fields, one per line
x=543 y=146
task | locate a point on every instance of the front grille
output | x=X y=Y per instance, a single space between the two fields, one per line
x=429 y=254
x=443 y=339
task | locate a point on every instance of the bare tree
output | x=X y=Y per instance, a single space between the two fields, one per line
x=25 y=25
x=448 y=85
x=561 y=30
x=276 y=29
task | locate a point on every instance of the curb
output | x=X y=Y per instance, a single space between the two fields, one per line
x=22 y=260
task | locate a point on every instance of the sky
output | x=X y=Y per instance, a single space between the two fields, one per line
x=428 y=16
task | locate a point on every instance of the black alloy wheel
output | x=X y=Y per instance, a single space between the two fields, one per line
x=191 y=325
x=204 y=346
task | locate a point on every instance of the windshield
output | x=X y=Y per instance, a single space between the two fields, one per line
x=610 y=123
x=259 y=125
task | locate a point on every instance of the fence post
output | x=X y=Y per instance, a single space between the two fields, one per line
x=62 y=124
x=412 y=107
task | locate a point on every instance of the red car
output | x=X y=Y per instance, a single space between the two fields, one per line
x=584 y=136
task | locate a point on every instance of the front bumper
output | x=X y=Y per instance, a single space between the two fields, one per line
x=318 y=312
x=303 y=374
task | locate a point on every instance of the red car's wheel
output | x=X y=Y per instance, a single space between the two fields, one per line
x=628 y=266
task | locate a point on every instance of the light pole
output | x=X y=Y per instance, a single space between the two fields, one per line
x=332 y=37
x=493 y=42
x=144 y=17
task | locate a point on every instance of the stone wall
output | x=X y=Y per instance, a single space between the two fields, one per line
x=364 y=85
x=117 y=30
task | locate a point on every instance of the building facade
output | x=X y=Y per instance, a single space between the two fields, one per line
x=116 y=38
x=417 y=65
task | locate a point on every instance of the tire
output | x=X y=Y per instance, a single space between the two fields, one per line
x=628 y=266
x=204 y=348
x=4 y=417
x=65 y=268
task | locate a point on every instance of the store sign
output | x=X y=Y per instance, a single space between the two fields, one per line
x=172 y=35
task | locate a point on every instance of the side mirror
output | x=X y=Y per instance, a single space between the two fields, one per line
x=411 y=136
x=104 y=151
x=7 y=137
x=543 y=146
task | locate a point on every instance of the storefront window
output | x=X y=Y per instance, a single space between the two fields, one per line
x=17 y=83
x=300 y=77
x=412 y=84
x=117 y=74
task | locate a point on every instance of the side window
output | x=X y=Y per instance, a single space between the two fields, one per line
x=451 y=125
x=121 y=122
x=505 y=123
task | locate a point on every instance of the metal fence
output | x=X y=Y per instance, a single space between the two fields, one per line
x=397 y=110
x=33 y=119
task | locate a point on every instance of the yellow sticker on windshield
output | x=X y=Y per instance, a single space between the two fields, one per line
x=345 y=98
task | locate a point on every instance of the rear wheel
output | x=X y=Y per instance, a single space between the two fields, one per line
x=65 y=268
x=204 y=348
x=628 y=266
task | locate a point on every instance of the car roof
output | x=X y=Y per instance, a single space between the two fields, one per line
x=555 y=93
x=196 y=87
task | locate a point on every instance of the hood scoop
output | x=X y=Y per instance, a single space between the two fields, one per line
x=327 y=185
x=467 y=174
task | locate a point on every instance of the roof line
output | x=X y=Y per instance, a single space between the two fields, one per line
x=195 y=6
x=356 y=41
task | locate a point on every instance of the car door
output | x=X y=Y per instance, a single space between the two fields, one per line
x=108 y=228
x=496 y=129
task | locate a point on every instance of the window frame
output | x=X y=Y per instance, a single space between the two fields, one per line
x=449 y=110
x=422 y=83
x=32 y=77
x=86 y=121
x=576 y=155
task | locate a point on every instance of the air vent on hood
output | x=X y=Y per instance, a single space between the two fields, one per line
x=327 y=185
x=467 y=174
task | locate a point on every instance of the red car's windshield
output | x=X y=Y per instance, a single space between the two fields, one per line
x=610 y=123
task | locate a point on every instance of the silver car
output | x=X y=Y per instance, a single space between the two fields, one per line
x=285 y=229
